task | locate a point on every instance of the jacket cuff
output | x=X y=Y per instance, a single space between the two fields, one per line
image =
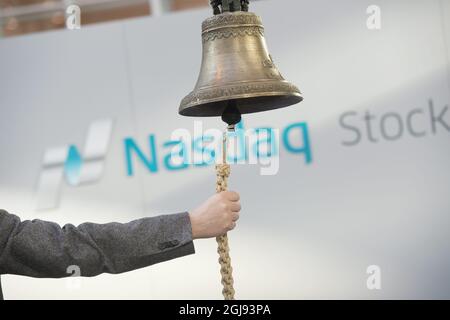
x=175 y=236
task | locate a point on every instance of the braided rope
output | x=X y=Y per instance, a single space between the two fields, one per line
x=223 y=172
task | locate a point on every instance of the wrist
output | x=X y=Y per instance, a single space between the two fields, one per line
x=193 y=226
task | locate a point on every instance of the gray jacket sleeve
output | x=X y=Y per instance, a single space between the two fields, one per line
x=43 y=249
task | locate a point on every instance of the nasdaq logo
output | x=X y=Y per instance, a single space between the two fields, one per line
x=75 y=167
x=183 y=150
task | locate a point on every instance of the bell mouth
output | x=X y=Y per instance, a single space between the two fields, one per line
x=244 y=105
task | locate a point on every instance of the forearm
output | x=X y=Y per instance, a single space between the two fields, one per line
x=44 y=249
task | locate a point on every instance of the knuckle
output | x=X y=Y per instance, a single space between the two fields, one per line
x=234 y=195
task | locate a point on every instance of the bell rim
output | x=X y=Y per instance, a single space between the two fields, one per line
x=291 y=98
x=242 y=89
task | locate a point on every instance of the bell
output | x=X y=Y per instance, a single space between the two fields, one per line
x=237 y=74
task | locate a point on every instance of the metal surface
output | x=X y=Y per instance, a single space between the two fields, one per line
x=237 y=67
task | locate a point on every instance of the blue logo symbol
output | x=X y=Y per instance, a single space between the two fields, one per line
x=68 y=162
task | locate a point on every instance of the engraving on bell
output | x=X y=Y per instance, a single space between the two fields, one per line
x=237 y=67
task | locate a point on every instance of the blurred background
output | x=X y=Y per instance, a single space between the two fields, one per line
x=29 y=16
x=364 y=160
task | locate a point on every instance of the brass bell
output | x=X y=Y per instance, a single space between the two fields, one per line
x=237 y=74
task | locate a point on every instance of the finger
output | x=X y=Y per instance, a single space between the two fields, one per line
x=235 y=217
x=232 y=196
x=235 y=206
x=232 y=226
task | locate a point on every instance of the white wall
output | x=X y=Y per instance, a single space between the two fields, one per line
x=308 y=232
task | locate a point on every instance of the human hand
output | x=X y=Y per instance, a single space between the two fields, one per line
x=216 y=216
